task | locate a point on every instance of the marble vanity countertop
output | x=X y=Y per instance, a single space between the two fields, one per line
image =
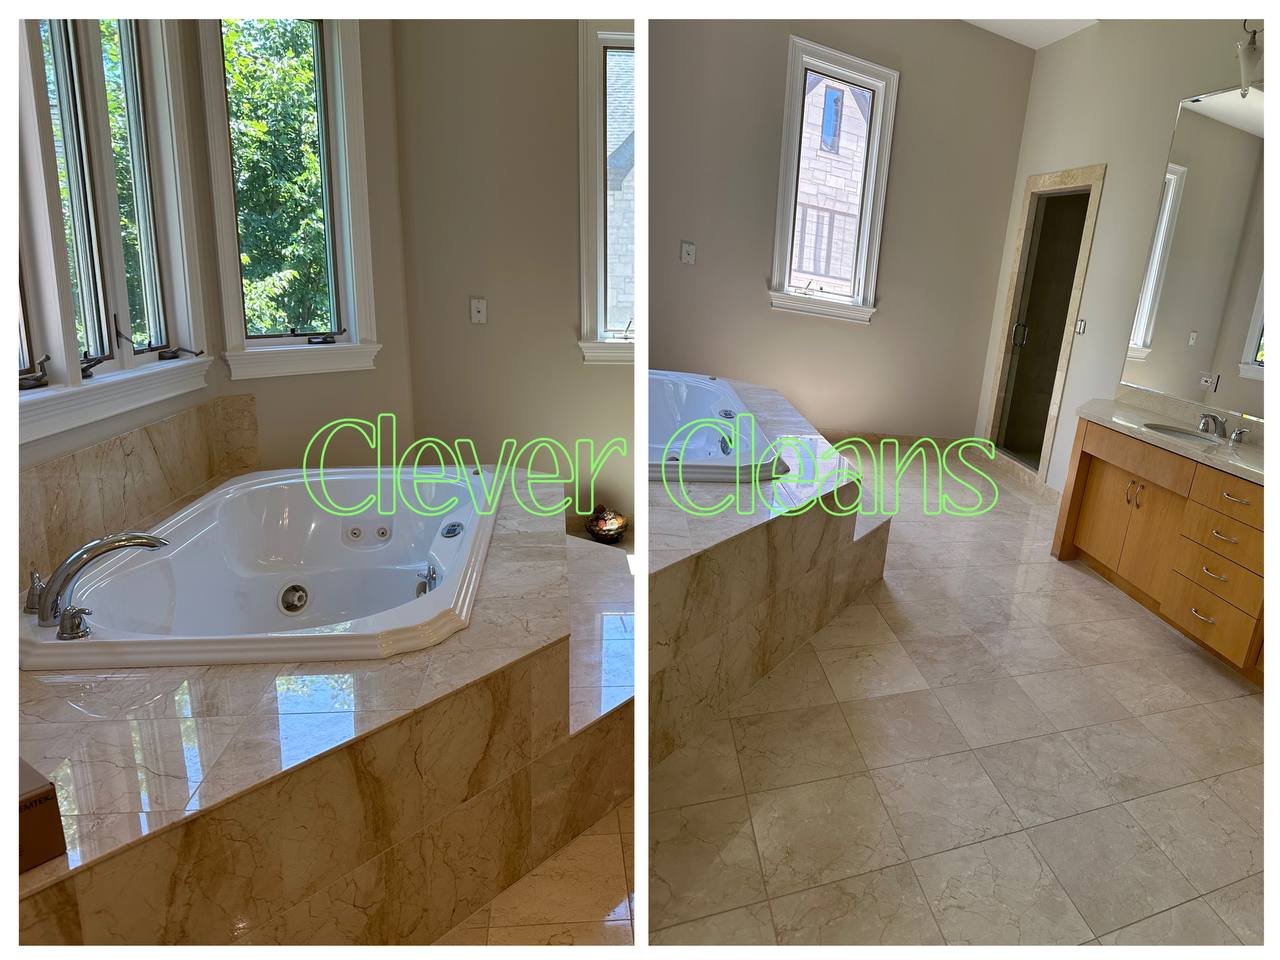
x=133 y=750
x=675 y=534
x=1243 y=460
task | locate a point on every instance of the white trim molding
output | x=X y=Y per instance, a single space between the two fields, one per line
x=1138 y=353
x=1250 y=369
x=804 y=55
x=353 y=259
x=50 y=410
x=594 y=36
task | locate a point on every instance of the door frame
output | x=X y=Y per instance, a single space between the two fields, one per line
x=1073 y=180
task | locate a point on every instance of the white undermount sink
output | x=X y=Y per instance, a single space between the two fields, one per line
x=1182 y=432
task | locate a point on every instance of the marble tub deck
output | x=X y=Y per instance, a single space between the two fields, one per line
x=135 y=750
x=987 y=747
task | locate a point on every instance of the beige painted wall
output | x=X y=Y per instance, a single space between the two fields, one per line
x=1234 y=391
x=716 y=100
x=290 y=409
x=1109 y=94
x=1221 y=164
x=489 y=181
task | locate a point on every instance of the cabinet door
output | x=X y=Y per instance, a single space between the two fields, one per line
x=1150 y=542
x=1104 y=512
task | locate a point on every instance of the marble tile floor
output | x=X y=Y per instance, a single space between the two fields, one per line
x=988 y=747
x=583 y=895
x=601 y=628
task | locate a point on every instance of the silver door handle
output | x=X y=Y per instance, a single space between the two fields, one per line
x=1243 y=503
x=1207 y=571
x=1202 y=616
x=1222 y=538
x=1126 y=491
x=1137 y=496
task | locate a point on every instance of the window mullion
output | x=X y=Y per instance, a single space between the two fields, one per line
x=92 y=97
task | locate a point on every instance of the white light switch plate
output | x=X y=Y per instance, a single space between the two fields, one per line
x=688 y=251
x=479 y=310
x=1191 y=340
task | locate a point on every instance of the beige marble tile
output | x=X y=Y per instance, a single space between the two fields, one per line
x=1022 y=650
x=1242 y=714
x=1240 y=907
x=1204 y=678
x=855 y=626
x=584 y=882
x=1114 y=640
x=1072 y=698
x=999 y=891
x=1113 y=872
x=902 y=727
x=702 y=861
x=1204 y=837
x=1241 y=790
x=993 y=711
x=1191 y=923
x=857 y=673
x=51 y=916
x=795 y=746
x=943 y=661
x=1201 y=742
x=881 y=907
x=817 y=832
x=1141 y=686
x=924 y=618
x=797 y=681
x=1128 y=758
x=1043 y=779
x=612 y=933
x=943 y=802
x=706 y=769
x=743 y=926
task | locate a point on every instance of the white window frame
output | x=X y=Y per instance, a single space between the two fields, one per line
x=132 y=381
x=353 y=260
x=593 y=37
x=1144 y=317
x=804 y=55
x=1249 y=368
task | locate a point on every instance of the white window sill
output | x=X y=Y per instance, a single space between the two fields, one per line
x=1251 y=371
x=287 y=360
x=49 y=410
x=607 y=351
x=1138 y=353
x=821 y=306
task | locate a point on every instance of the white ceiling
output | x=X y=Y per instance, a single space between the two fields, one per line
x=1033 y=33
x=1228 y=108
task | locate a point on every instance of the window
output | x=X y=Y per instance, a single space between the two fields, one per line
x=1253 y=359
x=287 y=162
x=101 y=224
x=1144 y=319
x=607 y=145
x=837 y=129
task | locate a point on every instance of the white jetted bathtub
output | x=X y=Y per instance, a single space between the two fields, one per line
x=256 y=572
x=676 y=399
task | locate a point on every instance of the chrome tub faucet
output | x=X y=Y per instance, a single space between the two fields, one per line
x=47 y=599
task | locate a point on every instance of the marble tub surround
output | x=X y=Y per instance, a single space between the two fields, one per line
x=584 y=895
x=988 y=747
x=142 y=755
x=132 y=480
x=601 y=628
x=1242 y=460
x=731 y=596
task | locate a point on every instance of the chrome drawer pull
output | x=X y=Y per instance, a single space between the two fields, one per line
x=1222 y=538
x=1206 y=570
x=1129 y=487
x=1243 y=503
x=1202 y=616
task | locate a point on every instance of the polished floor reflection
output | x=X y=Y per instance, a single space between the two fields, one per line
x=989 y=747
x=584 y=895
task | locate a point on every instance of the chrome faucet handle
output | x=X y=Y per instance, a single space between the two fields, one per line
x=35 y=590
x=1212 y=423
x=71 y=625
x=1237 y=435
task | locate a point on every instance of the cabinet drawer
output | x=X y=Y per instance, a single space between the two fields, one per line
x=1209 y=619
x=1144 y=460
x=1230 y=538
x=1230 y=581
x=1238 y=499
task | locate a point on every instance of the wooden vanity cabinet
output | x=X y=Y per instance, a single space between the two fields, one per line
x=1182 y=538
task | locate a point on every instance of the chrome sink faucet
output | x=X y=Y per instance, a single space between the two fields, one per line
x=1212 y=423
x=47 y=599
